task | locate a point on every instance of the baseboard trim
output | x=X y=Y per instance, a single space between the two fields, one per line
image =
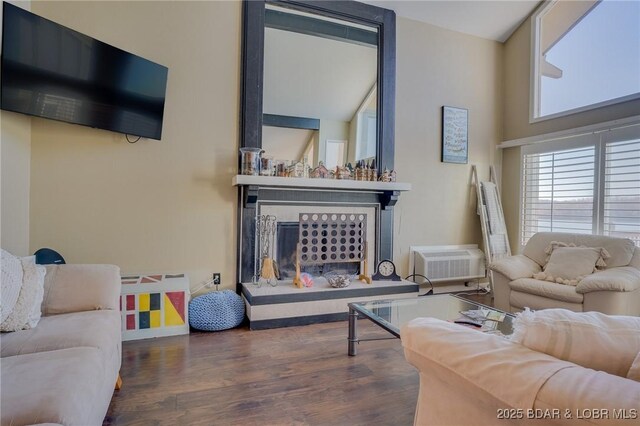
x=297 y=321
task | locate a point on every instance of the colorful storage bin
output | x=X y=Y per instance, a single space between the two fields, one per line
x=154 y=305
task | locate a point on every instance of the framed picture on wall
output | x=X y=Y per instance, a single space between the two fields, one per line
x=455 y=135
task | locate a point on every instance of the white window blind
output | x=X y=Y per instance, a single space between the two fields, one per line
x=559 y=192
x=621 y=210
x=587 y=183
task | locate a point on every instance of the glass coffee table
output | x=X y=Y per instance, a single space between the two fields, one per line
x=392 y=314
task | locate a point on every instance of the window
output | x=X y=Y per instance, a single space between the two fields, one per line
x=585 y=184
x=586 y=54
x=559 y=190
x=621 y=198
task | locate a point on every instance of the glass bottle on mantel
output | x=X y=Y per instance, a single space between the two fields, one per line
x=250 y=161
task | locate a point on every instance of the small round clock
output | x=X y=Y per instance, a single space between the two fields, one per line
x=386 y=270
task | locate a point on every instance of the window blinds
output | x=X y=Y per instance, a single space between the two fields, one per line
x=559 y=192
x=621 y=210
x=583 y=184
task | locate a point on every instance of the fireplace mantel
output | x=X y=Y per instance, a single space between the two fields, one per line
x=389 y=191
x=349 y=185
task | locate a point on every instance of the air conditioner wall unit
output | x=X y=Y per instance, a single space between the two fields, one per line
x=449 y=263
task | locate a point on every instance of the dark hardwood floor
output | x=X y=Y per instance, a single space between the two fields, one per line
x=285 y=376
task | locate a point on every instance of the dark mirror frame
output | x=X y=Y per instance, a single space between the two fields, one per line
x=251 y=115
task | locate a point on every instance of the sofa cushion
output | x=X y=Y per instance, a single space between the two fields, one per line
x=97 y=329
x=488 y=364
x=547 y=289
x=579 y=391
x=33 y=271
x=625 y=278
x=590 y=339
x=519 y=301
x=635 y=260
x=634 y=371
x=63 y=386
x=76 y=288
x=620 y=249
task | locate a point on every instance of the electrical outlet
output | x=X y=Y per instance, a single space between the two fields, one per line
x=216 y=278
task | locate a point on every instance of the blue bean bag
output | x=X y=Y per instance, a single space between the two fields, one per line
x=215 y=311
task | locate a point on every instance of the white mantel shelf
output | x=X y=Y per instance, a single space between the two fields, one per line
x=307 y=183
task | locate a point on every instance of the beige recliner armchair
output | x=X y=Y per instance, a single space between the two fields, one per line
x=614 y=290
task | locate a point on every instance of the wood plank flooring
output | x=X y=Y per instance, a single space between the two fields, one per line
x=285 y=376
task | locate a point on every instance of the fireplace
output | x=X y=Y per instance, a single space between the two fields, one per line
x=286 y=238
x=286 y=242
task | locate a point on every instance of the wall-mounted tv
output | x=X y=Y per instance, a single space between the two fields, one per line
x=52 y=71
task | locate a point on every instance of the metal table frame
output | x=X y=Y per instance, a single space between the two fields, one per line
x=353 y=329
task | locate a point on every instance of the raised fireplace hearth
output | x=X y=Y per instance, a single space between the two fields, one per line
x=285 y=305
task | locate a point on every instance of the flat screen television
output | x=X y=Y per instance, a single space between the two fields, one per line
x=52 y=71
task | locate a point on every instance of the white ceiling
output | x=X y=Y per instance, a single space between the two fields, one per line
x=493 y=20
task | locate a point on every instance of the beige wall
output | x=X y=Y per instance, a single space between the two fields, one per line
x=155 y=205
x=15 y=159
x=15 y=154
x=169 y=205
x=437 y=67
x=517 y=60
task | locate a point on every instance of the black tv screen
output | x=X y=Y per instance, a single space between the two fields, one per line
x=54 y=72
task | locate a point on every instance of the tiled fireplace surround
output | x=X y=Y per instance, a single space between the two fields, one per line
x=285 y=305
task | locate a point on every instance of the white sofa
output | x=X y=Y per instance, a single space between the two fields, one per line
x=614 y=290
x=65 y=369
x=472 y=378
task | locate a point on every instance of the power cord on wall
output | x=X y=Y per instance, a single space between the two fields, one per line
x=478 y=290
x=130 y=141
x=422 y=276
x=207 y=284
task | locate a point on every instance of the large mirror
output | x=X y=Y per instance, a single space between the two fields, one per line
x=320 y=89
x=319 y=82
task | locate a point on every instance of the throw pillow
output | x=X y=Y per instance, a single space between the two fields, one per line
x=35 y=272
x=590 y=339
x=634 y=371
x=26 y=312
x=569 y=264
x=11 y=283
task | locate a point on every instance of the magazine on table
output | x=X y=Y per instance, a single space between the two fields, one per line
x=484 y=314
x=485 y=320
